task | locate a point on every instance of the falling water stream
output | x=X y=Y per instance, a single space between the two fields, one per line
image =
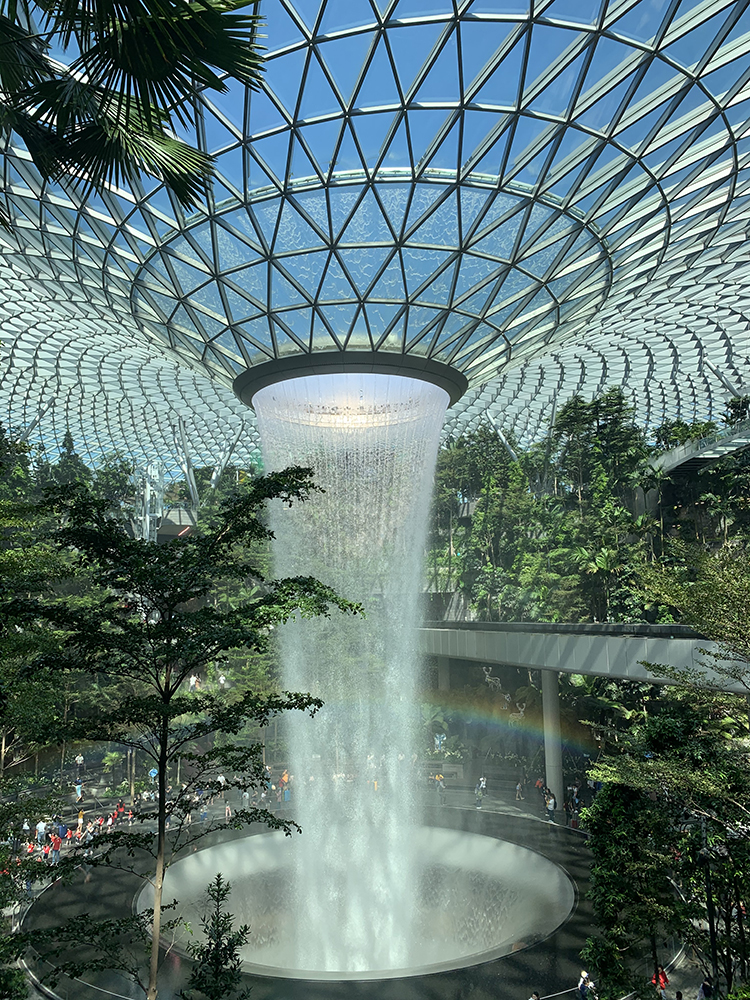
x=372 y=441
x=365 y=892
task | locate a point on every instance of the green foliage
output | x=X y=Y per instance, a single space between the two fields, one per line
x=217 y=970
x=134 y=73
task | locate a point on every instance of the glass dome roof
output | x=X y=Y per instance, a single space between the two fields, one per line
x=494 y=184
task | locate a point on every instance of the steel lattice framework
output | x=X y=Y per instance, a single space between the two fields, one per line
x=548 y=195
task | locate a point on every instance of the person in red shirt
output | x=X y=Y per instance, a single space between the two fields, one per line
x=56 y=845
x=660 y=981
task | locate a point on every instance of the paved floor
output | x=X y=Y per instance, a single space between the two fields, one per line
x=550 y=967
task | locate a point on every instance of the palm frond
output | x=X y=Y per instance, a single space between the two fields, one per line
x=23 y=59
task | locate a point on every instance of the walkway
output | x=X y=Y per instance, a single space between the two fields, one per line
x=617 y=651
x=692 y=456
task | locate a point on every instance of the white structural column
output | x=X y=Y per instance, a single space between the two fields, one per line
x=444 y=673
x=552 y=741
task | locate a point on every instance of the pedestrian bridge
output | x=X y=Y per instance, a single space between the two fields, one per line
x=617 y=651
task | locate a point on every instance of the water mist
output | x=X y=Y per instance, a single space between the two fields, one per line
x=372 y=441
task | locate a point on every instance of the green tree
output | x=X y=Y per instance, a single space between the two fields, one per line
x=217 y=971
x=145 y=626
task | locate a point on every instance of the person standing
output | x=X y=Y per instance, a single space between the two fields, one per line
x=41 y=832
x=585 y=987
x=56 y=845
x=478 y=794
x=706 y=989
x=79 y=765
x=519 y=798
x=551 y=805
x=660 y=981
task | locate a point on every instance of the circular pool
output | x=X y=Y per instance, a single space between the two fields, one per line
x=478 y=898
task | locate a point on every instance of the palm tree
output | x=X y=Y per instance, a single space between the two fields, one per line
x=135 y=70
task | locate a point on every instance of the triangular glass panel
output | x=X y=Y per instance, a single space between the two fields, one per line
x=446 y=156
x=481 y=43
x=342 y=201
x=420 y=265
x=345 y=58
x=556 y=97
x=348 y=157
x=285 y=78
x=424 y=126
x=439 y=291
x=217 y=134
x=548 y=45
x=308 y=10
x=322 y=139
x=258 y=330
x=322 y=339
x=379 y=86
x=371 y=131
x=492 y=162
x=477 y=125
x=341 y=14
x=515 y=285
x=298 y=322
x=231 y=169
x=239 y=306
x=314 y=205
x=340 y=319
x=411 y=45
x=607 y=111
x=391 y=283
x=473 y=202
x=503 y=206
x=286 y=342
x=363 y=265
x=358 y=338
x=301 y=165
x=473 y=270
x=307 y=269
x=335 y=284
x=294 y=232
x=533 y=173
x=182 y=318
x=181 y=247
x=257 y=178
x=395 y=200
x=164 y=303
x=188 y=277
x=540 y=262
x=279 y=27
x=641 y=23
x=272 y=154
x=441 y=83
x=367 y=224
x=502 y=87
x=540 y=218
x=380 y=316
x=574 y=11
x=266 y=215
x=252 y=281
x=423 y=198
x=638 y=135
x=476 y=302
x=419 y=321
x=692 y=47
x=208 y=297
x=231 y=243
x=318 y=98
x=284 y=294
x=441 y=226
x=398 y=154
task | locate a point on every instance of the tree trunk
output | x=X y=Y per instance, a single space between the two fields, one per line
x=741 y=932
x=2 y=754
x=131 y=776
x=161 y=843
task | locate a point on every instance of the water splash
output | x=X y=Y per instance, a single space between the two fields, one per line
x=372 y=441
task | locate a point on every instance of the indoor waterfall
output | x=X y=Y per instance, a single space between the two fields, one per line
x=372 y=441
